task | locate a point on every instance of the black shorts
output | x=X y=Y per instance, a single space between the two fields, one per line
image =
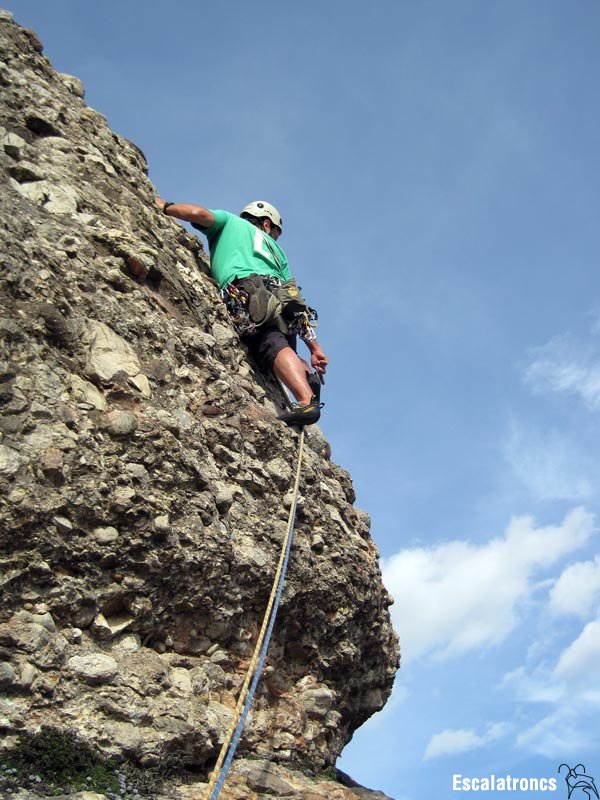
x=266 y=343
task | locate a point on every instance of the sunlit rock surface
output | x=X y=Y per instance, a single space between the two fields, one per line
x=145 y=482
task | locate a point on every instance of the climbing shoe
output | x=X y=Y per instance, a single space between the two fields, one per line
x=303 y=415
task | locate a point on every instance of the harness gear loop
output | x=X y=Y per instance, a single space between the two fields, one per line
x=236 y=726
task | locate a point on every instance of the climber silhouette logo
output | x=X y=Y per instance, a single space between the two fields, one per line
x=578 y=783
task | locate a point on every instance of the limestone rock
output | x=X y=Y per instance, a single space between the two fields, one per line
x=10 y=460
x=7 y=675
x=261 y=778
x=110 y=353
x=89 y=393
x=145 y=482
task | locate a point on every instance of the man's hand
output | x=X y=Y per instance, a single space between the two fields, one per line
x=319 y=360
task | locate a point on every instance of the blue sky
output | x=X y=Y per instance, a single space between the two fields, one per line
x=437 y=168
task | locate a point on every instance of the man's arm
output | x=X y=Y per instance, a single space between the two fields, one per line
x=318 y=359
x=197 y=215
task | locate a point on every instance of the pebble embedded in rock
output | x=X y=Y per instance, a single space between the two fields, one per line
x=74 y=635
x=95 y=668
x=127 y=643
x=89 y=393
x=7 y=675
x=180 y=678
x=45 y=620
x=105 y=535
x=28 y=675
x=10 y=460
x=223 y=334
x=63 y=524
x=122 y=423
x=224 y=498
x=40 y=411
x=162 y=523
x=138 y=472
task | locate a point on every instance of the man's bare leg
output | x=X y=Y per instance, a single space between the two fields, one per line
x=291 y=371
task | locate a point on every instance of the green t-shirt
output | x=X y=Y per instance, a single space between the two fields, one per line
x=239 y=249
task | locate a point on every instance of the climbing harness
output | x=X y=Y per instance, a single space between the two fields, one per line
x=297 y=315
x=236 y=727
x=261 y=300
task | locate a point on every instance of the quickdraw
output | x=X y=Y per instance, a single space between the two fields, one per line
x=303 y=323
x=236 y=300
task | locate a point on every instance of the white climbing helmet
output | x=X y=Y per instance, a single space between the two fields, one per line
x=260 y=208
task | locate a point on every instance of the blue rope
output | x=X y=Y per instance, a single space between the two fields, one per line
x=261 y=659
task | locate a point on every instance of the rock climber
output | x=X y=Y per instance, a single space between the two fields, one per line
x=266 y=306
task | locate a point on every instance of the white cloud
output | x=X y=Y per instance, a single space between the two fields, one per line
x=560 y=734
x=577 y=589
x=460 y=596
x=572 y=687
x=451 y=742
x=533 y=687
x=565 y=365
x=548 y=464
x=579 y=662
x=571 y=728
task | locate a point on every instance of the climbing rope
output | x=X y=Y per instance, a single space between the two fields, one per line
x=236 y=726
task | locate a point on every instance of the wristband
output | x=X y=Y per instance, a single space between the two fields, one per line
x=166 y=205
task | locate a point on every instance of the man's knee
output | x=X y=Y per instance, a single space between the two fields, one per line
x=266 y=345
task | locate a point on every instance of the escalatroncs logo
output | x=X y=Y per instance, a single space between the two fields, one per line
x=578 y=781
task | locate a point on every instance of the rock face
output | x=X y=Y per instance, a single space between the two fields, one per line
x=145 y=482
